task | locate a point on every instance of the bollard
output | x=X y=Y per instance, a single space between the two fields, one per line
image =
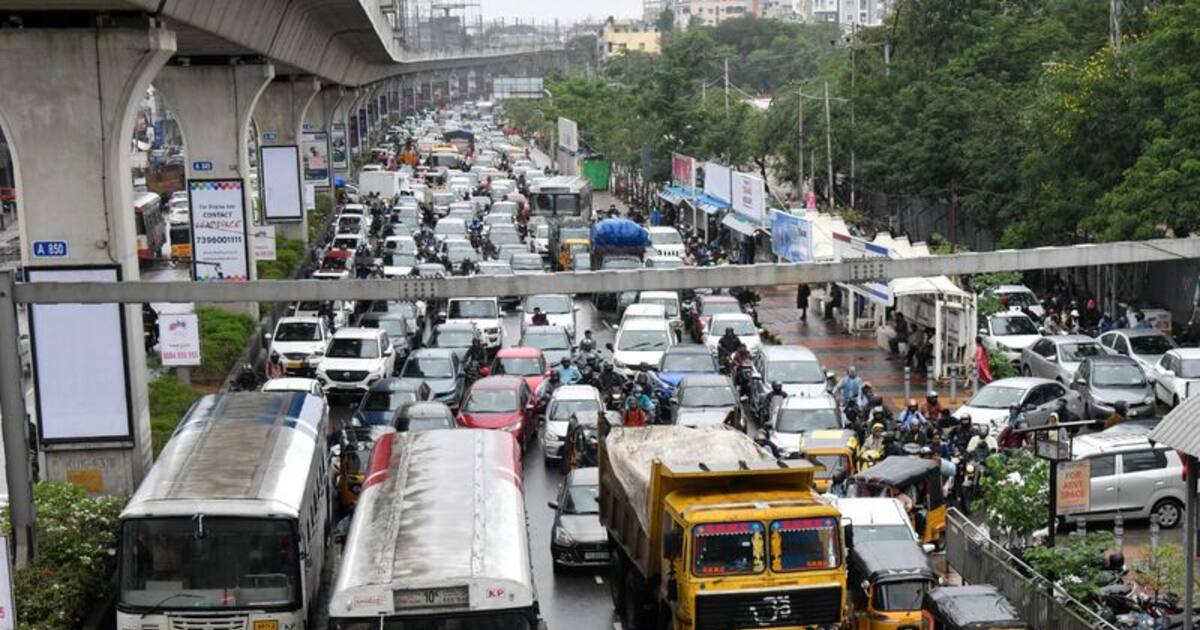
x=1154 y=528
x=1080 y=526
x=953 y=369
x=907 y=383
x=1119 y=531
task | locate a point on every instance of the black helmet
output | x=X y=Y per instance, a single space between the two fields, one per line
x=777 y=387
x=554 y=377
x=1120 y=407
x=607 y=367
x=965 y=419
x=931 y=398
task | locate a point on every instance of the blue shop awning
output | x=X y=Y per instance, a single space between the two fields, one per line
x=740 y=224
x=711 y=205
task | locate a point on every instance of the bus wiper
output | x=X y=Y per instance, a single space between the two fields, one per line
x=157 y=608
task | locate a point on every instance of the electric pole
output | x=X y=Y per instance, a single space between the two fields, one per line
x=727 y=86
x=829 y=145
x=800 y=145
x=853 y=33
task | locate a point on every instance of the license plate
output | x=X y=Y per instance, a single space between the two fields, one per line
x=595 y=555
x=430 y=598
x=294 y=365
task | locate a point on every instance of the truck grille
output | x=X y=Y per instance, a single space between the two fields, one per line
x=197 y=622
x=348 y=376
x=770 y=609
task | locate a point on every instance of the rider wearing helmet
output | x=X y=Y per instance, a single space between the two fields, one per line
x=932 y=407
x=763 y=440
x=1012 y=438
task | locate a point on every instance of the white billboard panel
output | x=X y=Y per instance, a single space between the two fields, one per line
x=717 y=181
x=279 y=173
x=749 y=197
x=81 y=372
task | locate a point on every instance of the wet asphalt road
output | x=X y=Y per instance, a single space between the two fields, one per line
x=574 y=599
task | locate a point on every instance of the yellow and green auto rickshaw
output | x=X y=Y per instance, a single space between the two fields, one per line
x=979 y=606
x=917 y=483
x=888 y=581
x=354 y=458
x=833 y=449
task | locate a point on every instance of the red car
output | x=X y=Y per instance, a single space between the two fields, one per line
x=527 y=362
x=501 y=402
x=706 y=306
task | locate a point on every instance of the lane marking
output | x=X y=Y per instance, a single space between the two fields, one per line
x=599 y=580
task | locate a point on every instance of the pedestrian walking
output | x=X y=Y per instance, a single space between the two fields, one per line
x=802 y=295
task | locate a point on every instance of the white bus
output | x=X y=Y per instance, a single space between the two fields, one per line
x=228 y=529
x=438 y=540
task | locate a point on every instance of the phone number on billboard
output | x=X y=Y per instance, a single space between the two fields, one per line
x=218 y=239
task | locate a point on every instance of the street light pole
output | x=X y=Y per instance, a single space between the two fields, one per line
x=800 y=144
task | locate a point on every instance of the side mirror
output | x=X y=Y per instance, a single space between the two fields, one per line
x=609 y=346
x=318 y=354
x=672 y=545
x=983 y=332
x=553 y=505
x=267 y=336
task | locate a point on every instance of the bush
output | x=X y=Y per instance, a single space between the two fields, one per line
x=288 y=254
x=77 y=538
x=169 y=401
x=1016 y=497
x=1074 y=563
x=223 y=338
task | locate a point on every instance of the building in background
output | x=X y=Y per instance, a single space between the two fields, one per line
x=782 y=10
x=619 y=36
x=712 y=12
x=850 y=12
x=651 y=9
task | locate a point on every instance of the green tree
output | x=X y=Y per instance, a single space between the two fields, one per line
x=1016 y=499
x=1072 y=562
x=665 y=22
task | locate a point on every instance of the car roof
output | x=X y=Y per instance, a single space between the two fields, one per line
x=456 y=325
x=1021 y=382
x=1061 y=339
x=1010 y=314
x=1012 y=288
x=425 y=409
x=659 y=294
x=1185 y=353
x=518 y=352
x=689 y=348
x=357 y=333
x=575 y=392
x=1111 y=358
x=432 y=353
x=1140 y=332
x=499 y=381
x=704 y=380
x=643 y=323
x=396 y=385
x=716 y=298
x=585 y=476
x=729 y=316
x=289 y=384
x=810 y=402
x=1106 y=442
x=294 y=319
x=543 y=329
x=787 y=352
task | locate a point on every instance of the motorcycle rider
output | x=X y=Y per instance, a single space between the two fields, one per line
x=546 y=389
x=1011 y=438
x=982 y=440
x=961 y=435
x=638 y=407
x=587 y=345
x=866 y=393
x=727 y=345
x=911 y=418
x=1120 y=414
x=568 y=374
x=609 y=379
x=539 y=318
x=774 y=399
x=932 y=408
x=874 y=442
x=763 y=440
x=476 y=354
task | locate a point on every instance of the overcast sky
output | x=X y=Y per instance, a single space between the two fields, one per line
x=548 y=10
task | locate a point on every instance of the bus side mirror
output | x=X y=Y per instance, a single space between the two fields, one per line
x=672 y=545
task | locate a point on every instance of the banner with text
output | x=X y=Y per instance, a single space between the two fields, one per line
x=314 y=153
x=749 y=197
x=846 y=247
x=791 y=237
x=263 y=242
x=337 y=147
x=179 y=339
x=717 y=181
x=1074 y=491
x=220 y=249
x=683 y=171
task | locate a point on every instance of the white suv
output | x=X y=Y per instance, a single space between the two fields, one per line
x=1132 y=477
x=355 y=359
x=299 y=341
x=484 y=313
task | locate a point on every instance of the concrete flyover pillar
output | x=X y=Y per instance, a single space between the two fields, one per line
x=68 y=108
x=279 y=117
x=213 y=104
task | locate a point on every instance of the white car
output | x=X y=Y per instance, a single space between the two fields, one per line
x=742 y=325
x=351 y=224
x=342 y=311
x=400 y=244
x=353 y=208
x=1019 y=296
x=355 y=359
x=180 y=211
x=665 y=241
x=294 y=384
x=1176 y=375
x=799 y=416
x=640 y=341
x=875 y=519
x=299 y=340
x=485 y=313
x=559 y=308
x=397 y=265
x=566 y=402
x=644 y=311
x=671 y=307
x=1008 y=332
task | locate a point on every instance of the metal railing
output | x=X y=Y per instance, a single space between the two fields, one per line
x=1043 y=604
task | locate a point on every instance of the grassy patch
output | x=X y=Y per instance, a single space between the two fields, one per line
x=223 y=338
x=288 y=254
x=169 y=400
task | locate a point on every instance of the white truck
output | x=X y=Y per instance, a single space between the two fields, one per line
x=387 y=183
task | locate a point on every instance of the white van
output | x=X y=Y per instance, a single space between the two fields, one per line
x=387 y=183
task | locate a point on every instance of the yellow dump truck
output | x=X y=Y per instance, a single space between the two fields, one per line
x=707 y=532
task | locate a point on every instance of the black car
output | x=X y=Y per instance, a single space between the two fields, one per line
x=441 y=369
x=577 y=538
x=423 y=416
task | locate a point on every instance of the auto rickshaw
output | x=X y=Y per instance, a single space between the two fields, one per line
x=835 y=451
x=969 y=607
x=888 y=579
x=917 y=483
x=570 y=249
x=354 y=457
x=181 y=241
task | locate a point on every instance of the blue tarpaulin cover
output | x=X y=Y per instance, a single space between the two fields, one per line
x=619 y=233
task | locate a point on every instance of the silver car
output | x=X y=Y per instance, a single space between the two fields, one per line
x=1057 y=357
x=1132 y=477
x=1104 y=381
x=1035 y=397
x=1146 y=346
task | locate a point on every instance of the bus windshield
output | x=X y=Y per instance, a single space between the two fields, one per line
x=209 y=562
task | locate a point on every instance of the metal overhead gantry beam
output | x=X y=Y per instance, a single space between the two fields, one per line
x=409 y=288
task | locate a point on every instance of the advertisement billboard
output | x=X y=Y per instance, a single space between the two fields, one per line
x=81 y=388
x=683 y=171
x=846 y=247
x=220 y=249
x=568 y=135
x=279 y=176
x=314 y=156
x=749 y=196
x=179 y=339
x=339 y=153
x=791 y=237
x=1074 y=491
x=717 y=181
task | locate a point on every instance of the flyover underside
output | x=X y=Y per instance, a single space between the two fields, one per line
x=614 y=281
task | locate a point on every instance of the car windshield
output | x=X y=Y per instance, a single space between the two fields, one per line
x=236 y=563
x=794 y=372
x=527 y=263
x=882 y=533
x=1020 y=298
x=353 y=349
x=1189 y=368
x=665 y=238
x=495 y=270
x=805 y=420
x=1076 y=352
x=562 y=410
x=835 y=465
x=671 y=306
x=504 y=238
x=717 y=396
x=345 y=243
x=451 y=227
x=574 y=233
x=728 y=548
x=491 y=401
x=716 y=308
x=298 y=331
x=426 y=424
x=473 y=309
x=399 y=260
x=428 y=367
x=546 y=340
x=742 y=327
x=582 y=500
x=688 y=362
x=804 y=544
x=900 y=595
x=1002 y=326
x=550 y=304
x=542 y=230
x=996 y=397
x=1150 y=344
x=521 y=366
x=1120 y=375
x=454 y=338
x=387 y=401
x=642 y=340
